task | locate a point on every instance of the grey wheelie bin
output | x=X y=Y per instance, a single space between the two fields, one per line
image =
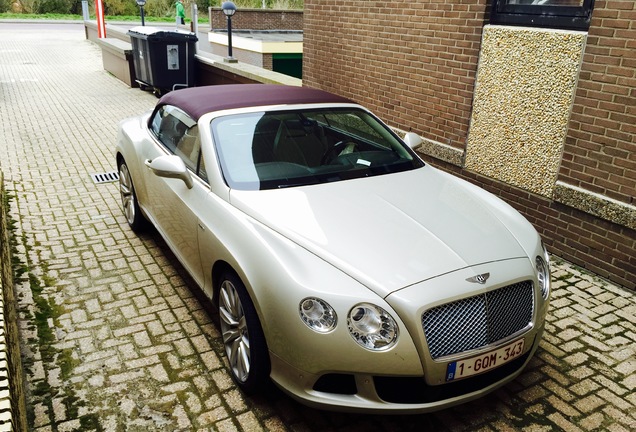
x=164 y=60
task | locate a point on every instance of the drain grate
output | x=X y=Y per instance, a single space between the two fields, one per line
x=106 y=177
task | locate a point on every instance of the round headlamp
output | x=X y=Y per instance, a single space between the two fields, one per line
x=543 y=276
x=317 y=314
x=372 y=327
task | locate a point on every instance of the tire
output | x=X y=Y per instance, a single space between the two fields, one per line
x=243 y=336
x=130 y=206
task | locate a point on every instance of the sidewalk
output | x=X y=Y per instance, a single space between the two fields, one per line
x=119 y=342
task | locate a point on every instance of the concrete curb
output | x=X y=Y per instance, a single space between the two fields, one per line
x=12 y=402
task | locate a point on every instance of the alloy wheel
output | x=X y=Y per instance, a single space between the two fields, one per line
x=126 y=190
x=235 y=332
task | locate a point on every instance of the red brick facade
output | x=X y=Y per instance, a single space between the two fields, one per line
x=392 y=59
x=603 y=247
x=600 y=150
x=257 y=19
x=415 y=66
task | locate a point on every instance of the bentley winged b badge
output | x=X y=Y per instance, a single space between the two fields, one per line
x=480 y=278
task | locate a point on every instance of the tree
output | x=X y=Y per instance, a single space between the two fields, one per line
x=5 y=6
x=164 y=8
x=120 y=7
x=54 y=6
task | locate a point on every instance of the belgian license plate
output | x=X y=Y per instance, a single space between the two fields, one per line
x=484 y=362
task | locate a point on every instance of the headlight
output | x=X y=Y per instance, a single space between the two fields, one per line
x=372 y=327
x=318 y=315
x=543 y=275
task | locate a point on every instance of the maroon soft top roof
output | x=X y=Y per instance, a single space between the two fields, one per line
x=196 y=101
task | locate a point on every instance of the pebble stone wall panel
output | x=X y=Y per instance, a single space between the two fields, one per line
x=596 y=204
x=525 y=88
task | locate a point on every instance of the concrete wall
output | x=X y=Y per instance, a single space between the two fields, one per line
x=544 y=119
x=210 y=69
x=251 y=57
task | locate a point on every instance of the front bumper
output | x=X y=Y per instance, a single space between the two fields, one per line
x=384 y=387
x=393 y=394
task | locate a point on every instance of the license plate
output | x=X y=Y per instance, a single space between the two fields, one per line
x=484 y=362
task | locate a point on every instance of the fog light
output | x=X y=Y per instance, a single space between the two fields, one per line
x=318 y=315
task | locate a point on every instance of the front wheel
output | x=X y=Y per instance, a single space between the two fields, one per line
x=243 y=337
x=129 y=202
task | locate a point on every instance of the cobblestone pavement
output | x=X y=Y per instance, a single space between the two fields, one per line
x=116 y=340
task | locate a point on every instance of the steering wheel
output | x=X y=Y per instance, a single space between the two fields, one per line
x=334 y=151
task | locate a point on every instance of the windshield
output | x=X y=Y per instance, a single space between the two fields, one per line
x=277 y=149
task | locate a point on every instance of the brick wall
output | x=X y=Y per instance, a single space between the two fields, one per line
x=416 y=68
x=602 y=247
x=257 y=19
x=600 y=149
x=414 y=65
x=268 y=61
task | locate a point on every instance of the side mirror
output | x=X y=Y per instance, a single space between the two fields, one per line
x=412 y=139
x=170 y=166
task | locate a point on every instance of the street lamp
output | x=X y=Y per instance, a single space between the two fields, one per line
x=141 y=4
x=229 y=9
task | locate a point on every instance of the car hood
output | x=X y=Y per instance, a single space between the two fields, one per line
x=394 y=230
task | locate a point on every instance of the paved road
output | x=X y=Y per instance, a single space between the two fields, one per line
x=115 y=339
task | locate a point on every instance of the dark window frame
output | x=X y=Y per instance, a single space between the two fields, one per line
x=538 y=15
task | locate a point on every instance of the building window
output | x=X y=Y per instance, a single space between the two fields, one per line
x=560 y=14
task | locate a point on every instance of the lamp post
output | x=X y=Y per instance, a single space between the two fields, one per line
x=229 y=9
x=141 y=4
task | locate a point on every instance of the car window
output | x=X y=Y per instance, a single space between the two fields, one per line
x=188 y=147
x=169 y=125
x=179 y=134
x=266 y=150
x=354 y=124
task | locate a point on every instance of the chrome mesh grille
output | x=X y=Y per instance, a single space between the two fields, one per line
x=478 y=321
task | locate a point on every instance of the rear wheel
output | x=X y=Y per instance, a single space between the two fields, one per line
x=129 y=199
x=243 y=337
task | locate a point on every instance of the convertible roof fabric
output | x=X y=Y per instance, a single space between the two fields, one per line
x=196 y=101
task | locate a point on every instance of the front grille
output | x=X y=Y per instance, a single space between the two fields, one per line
x=475 y=322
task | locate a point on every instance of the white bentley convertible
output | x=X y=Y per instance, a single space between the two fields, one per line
x=345 y=269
